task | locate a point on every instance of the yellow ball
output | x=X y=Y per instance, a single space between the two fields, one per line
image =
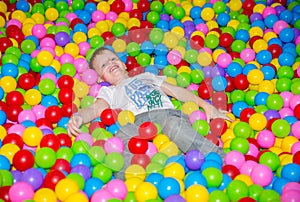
x=174 y=170
x=207 y=14
x=119 y=45
x=3 y=133
x=33 y=97
x=288 y=142
x=184 y=69
x=197 y=192
x=72 y=49
x=9 y=150
x=65 y=188
x=19 y=15
x=103 y=26
x=269 y=35
x=266 y=86
x=38 y=18
x=103 y=6
x=257 y=121
x=3 y=7
x=170 y=40
x=44 y=58
x=32 y=136
x=189 y=107
x=259 y=8
x=178 y=31
x=228 y=135
x=2 y=22
x=58 y=51
x=133 y=22
x=204 y=59
x=212 y=24
x=8 y=84
x=199 y=3
x=79 y=37
x=44 y=195
x=244 y=178
x=125 y=117
x=56 y=65
x=81 y=89
x=145 y=191
x=133 y=183
x=259 y=45
x=171 y=80
x=235 y=5
x=286 y=159
x=255 y=76
x=169 y=148
x=160 y=140
x=27 y=29
x=135 y=170
x=77 y=197
x=256 y=31
x=51 y=14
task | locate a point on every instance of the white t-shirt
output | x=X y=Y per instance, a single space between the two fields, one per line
x=138 y=94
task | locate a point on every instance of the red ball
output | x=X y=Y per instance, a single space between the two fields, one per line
x=226 y=40
x=197 y=42
x=275 y=50
x=137 y=35
x=94 y=125
x=230 y=170
x=130 y=62
x=14 y=98
x=147 y=131
x=108 y=37
x=52 y=178
x=141 y=159
x=43 y=122
x=218 y=126
x=213 y=138
x=75 y=21
x=53 y=114
x=99 y=143
x=3 y=106
x=65 y=81
x=50 y=141
x=13 y=138
x=68 y=109
x=17 y=35
x=137 y=145
x=296 y=158
x=219 y=100
x=136 y=13
x=246 y=113
x=136 y=70
x=146 y=26
x=247 y=199
x=64 y=140
x=23 y=160
x=4 y=193
x=117 y=6
x=241 y=82
x=61 y=165
x=297 y=111
x=109 y=116
x=26 y=81
x=66 y=95
x=269 y=123
x=13 y=112
x=12 y=28
x=143 y=5
x=205 y=91
x=5 y=43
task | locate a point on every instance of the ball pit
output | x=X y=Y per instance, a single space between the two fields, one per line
x=241 y=56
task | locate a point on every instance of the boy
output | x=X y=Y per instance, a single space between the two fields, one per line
x=146 y=95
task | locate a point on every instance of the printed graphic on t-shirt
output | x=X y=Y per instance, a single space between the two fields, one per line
x=141 y=94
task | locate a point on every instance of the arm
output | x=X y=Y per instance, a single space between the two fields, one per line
x=184 y=95
x=86 y=115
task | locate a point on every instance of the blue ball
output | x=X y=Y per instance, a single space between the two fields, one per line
x=154 y=178
x=49 y=100
x=80 y=28
x=10 y=69
x=167 y=187
x=92 y=185
x=195 y=12
x=161 y=61
x=23 y=5
x=242 y=35
x=286 y=15
x=194 y=177
x=163 y=24
x=80 y=159
x=28 y=123
x=261 y=98
x=114 y=128
x=161 y=49
x=210 y=164
x=1 y=93
x=238 y=107
x=287 y=35
x=24 y=64
x=90 y=7
x=213 y=156
x=286 y=59
x=269 y=72
x=223 y=19
x=264 y=57
x=247 y=68
x=147 y=47
x=275 y=41
x=234 y=69
x=270 y=20
x=291 y=119
x=258 y=23
x=2 y=117
x=226 y=180
x=85 y=16
x=219 y=83
x=279 y=183
x=4 y=163
x=291 y=172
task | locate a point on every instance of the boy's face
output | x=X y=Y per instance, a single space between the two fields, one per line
x=109 y=67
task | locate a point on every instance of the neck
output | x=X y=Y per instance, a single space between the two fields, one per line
x=120 y=80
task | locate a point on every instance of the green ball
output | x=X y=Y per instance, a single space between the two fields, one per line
x=86 y=101
x=242 y=129
x=156 y=6
x=298 y=49
x=213 y=176
x=114 y=200
x=68 y=69
x=219 y=7
x=47 y=86
x=191 y=56
x=78 y=179
x=77 y=5
x=96 y=154
x=250 y=97
x=143 y=59
x=101 y=134
x=28 y=46
x=133 y=49
x=295 y=87
x=130 y=197
x=197 y=76
x=65 y=153
x=61 y=6
x=10 y=58
x=183 y=79
x=261 y=109
x=81 y=147
x=118 y=29
x=218 y=195
x=6 y=178
x=283 y=84
x=178 y=13
x=237 y=95
x=245 y=26
x=243 y=18
x=275 y=102
x=211 y=41
x=51 y=30
x=114 y=161
x=169 y=7
x=63 y=28
x=102 y=172
x=45 y=157
x=239 y=144
x=234 y=14
x=238 y=46
x=268 y=195
x=177 y=104
x=153 y=17
x=49 y=4
x=14 y=51
x=60 y=130
x=160 y=158
x=255 y=191
x=285 y=72
x=270 y=159
x=156 y=35
x=154 y=167
x=38 y=8
x=236 y=190
x=96 y=42
x=35 y=66
x=229 y=30
x=201 y=127
x=281 y=128
x=297 y=24
x=170 y=71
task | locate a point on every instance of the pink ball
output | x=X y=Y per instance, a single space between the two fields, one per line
x=118 y=188
x=26 y=115
x=39 y=31
x=174 y=57
x=49 y=76
x=91 y=25
x=234 y=158
x=101 y=195
x=49 y=49
x=284 y=112
x=247 y=167
x=81 y=65
x=20 y=191
x=253 y=150
x=66 y=58
x=61 y=24
x=128 y=5
x=265 y=139
x=97 y=16
x=14 y=22
x=90 y=77
x=47 y=42
x=112 y=16
x=83 y=48
x=17 y=129
x=114 y=144
x=34 y=53
x=261 y=175
x=268 y=11
x=94 y=90
x=85 y=137
x=280 y=25
x=224 y=59
x=286 y=96
x=197 y=115
x=291 y=186
x=205 y=49
x=202 y=27
x=192 y=87
x=290 y=196
x=295 y=148
x=295 y=100
x=39 y=111
x=71 y=16
x=151 y=149
x=247 y=55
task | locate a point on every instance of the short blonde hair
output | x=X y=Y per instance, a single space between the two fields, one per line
x=98 y=51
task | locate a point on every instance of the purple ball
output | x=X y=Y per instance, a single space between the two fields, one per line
x=207 y=71
x=17 y=175
x=62 y=38
x=255 y=17
x=194 y=159
x=270 y=2
x=34 y=177
x=104 y=83
x=188 y=23
x=217 y=71
x=269 y=114
x=83 y=170
x=188 y=30
x=165 y=17
x=175 y=197
x=279 y=9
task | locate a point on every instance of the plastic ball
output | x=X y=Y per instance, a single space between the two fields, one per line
x=125 y=117
x=23 y=160
x=237 y=189
x=145 y=191
x=137 y=145
x=45 y=157
x=109 y=116
x=255 y=76
x=197 y=193
x=261 y=175
x=194 y=159
x=201 y=126
x=21 y=191
x=257 y=122
x=167 y=187
x=44 y=194
x=265 y=139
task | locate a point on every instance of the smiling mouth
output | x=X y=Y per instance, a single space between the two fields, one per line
x=113 y=68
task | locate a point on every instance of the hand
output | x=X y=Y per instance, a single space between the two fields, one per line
x=213 y=113
x=74 y=124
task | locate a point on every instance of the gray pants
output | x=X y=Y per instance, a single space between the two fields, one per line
x=175 y=125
